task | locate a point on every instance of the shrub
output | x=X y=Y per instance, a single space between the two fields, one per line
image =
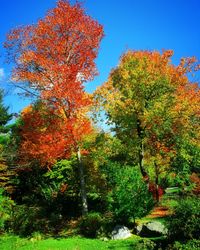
x=90 y=224
x=129 y=198
x=190 y=245
x=107 y=225
x=145 y=244
x=27 y=220
x=6 y=205
x=185 y=222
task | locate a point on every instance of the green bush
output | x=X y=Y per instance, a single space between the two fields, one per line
x=90 y=224
x=185 y=222
x=129 y=198
x=96 y=225
x=107 y=226
x=145 y=244
x=26 y=220
x=6 y=205
x=190 y=245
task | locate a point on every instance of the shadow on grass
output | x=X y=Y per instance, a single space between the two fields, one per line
x=122 y=245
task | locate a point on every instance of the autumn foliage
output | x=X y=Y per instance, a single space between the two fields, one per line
x=153 y=106
x=55 y=56
x=47 y=135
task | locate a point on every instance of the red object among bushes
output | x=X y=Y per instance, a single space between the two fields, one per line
x=153 y=190
x=196 y=181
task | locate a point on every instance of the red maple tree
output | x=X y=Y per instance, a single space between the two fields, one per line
x=53 y=58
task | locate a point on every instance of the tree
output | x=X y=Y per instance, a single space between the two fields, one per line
x=143 y=99
x=5 y=117
x=129 y=198
x=55 y=57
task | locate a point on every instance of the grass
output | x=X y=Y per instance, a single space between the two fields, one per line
x=147 y=219
x=76 y=243
x=170 y=199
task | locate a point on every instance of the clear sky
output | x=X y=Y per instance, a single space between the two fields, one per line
x=128 y=24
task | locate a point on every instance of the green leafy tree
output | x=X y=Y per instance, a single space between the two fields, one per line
x=129 y=197
x=5 y=117
x=153 y=107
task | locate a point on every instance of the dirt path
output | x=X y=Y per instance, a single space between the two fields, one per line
x=159 y=212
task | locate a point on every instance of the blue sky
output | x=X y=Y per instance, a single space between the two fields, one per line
x=128 y=24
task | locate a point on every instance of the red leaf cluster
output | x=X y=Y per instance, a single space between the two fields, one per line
x=47 y=135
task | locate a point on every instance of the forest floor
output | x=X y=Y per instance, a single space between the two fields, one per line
x=165 y=206
x=160 y=212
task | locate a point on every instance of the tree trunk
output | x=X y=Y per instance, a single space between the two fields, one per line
x=156 y=181
x=82 y=184
x=141 y=158
x=140 y=133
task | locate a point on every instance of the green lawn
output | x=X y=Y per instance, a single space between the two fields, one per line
x=15 y=243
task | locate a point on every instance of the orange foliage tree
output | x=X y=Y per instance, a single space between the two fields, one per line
x=53 y=58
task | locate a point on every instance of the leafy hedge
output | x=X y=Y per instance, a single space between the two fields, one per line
x=185 y=222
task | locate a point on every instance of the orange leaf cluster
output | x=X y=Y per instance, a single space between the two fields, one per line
x=56 y=55
x=47 y=135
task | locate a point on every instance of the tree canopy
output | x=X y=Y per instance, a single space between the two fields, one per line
x=152 y=104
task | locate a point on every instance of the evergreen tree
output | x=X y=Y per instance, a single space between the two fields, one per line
x=4 y=138
x=4 y=115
